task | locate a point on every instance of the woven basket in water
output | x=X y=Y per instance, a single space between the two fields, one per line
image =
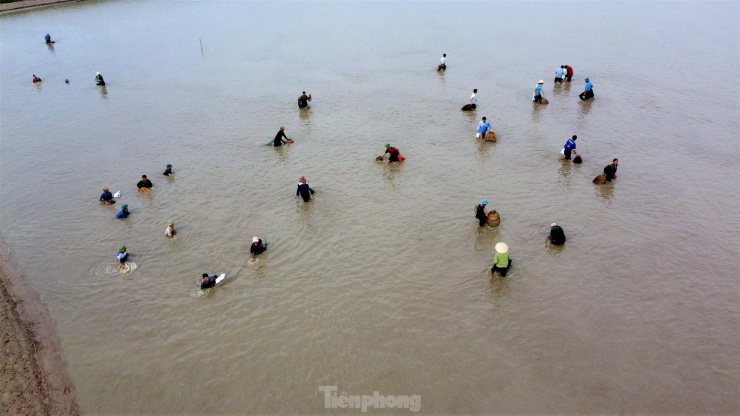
x=494 y=219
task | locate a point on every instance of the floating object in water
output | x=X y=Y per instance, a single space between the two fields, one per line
x=600 y=180
x=117 y=194
x=66 y=81
x=490 y=136
x=494 y=219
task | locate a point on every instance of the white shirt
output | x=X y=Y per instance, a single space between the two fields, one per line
x=169 y=231
x=474 y=99
x=443 y=60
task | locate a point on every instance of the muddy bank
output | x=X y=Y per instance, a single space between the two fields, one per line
x=33 y=377
x=27 y=4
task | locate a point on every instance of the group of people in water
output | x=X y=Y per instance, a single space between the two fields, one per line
x=98 y=78
x=257 y=247
x=502 y=259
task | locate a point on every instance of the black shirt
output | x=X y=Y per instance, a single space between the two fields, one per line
x=279 y=138
x=207 y=284
x=144 y=183
x=257 y=249
x=610 y=171
x=557 y=235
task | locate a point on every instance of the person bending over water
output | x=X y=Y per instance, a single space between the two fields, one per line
x=570 y=147
x=99 y=79
x=588 y=91
x=442 y=63
x=557 y=235
x=257 y=247
x=303 y=100
x=538 y=92
x=279 y=138
x=144 y=183
x=107 y=197
x=122 y=256
x=209 y=281
x=392 y=152
x=168 y=170
x=36 y=79
x=501 y=260
x=611 y=170
x=123 y=213
x=170 y=230
x=481 y=213
x=47 y=38
x=304 y=190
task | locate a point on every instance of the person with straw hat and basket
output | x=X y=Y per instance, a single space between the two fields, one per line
x=501 y=260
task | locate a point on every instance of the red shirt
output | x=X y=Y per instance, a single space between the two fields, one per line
x=569 y=71
x=392 y=150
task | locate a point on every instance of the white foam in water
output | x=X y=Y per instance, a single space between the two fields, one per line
x=253 y=261
x=107 y=268
x=200 y=293
x=128 y=267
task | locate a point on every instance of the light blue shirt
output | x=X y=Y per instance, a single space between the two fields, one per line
x=484 y=127
x=559 y=73
x=538 y=90
x=589 y=85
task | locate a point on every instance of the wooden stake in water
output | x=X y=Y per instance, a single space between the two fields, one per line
x=201 y=46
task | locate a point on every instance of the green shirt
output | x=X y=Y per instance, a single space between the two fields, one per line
x=501 y=260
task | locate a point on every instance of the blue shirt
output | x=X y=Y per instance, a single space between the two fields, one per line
x=106 y=196
x=122 y=214
x=589 y=85
x=538 y=90
x=559 y=73
x=484 y=127
x=570 y=145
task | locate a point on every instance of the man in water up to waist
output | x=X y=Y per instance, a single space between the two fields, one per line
x=483 y=128
x=557 y=235
x=279 y=138
x=303 y=100
x=144 y=182
x=107 y=197
x=209 y=281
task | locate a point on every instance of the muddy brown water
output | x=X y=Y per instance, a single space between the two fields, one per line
x=381 y=282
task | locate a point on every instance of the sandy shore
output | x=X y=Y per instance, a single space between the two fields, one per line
x=26 y=4
x=33 y=377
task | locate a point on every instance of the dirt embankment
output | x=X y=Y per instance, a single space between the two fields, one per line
x=27 y=4
x=33 y=377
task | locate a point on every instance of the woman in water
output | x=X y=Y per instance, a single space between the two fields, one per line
x=257 y=247
x=481 y=213
x=304 y=190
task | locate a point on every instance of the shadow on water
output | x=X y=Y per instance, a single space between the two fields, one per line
x=391 y=170
x=103 y=93
x=606 y=191
x=537 y=109
x=553 y=249
x=282 y=153
x=51 y=48
x=499 y=285
x=585 y=108
x=485 y=237
x=565 y=168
